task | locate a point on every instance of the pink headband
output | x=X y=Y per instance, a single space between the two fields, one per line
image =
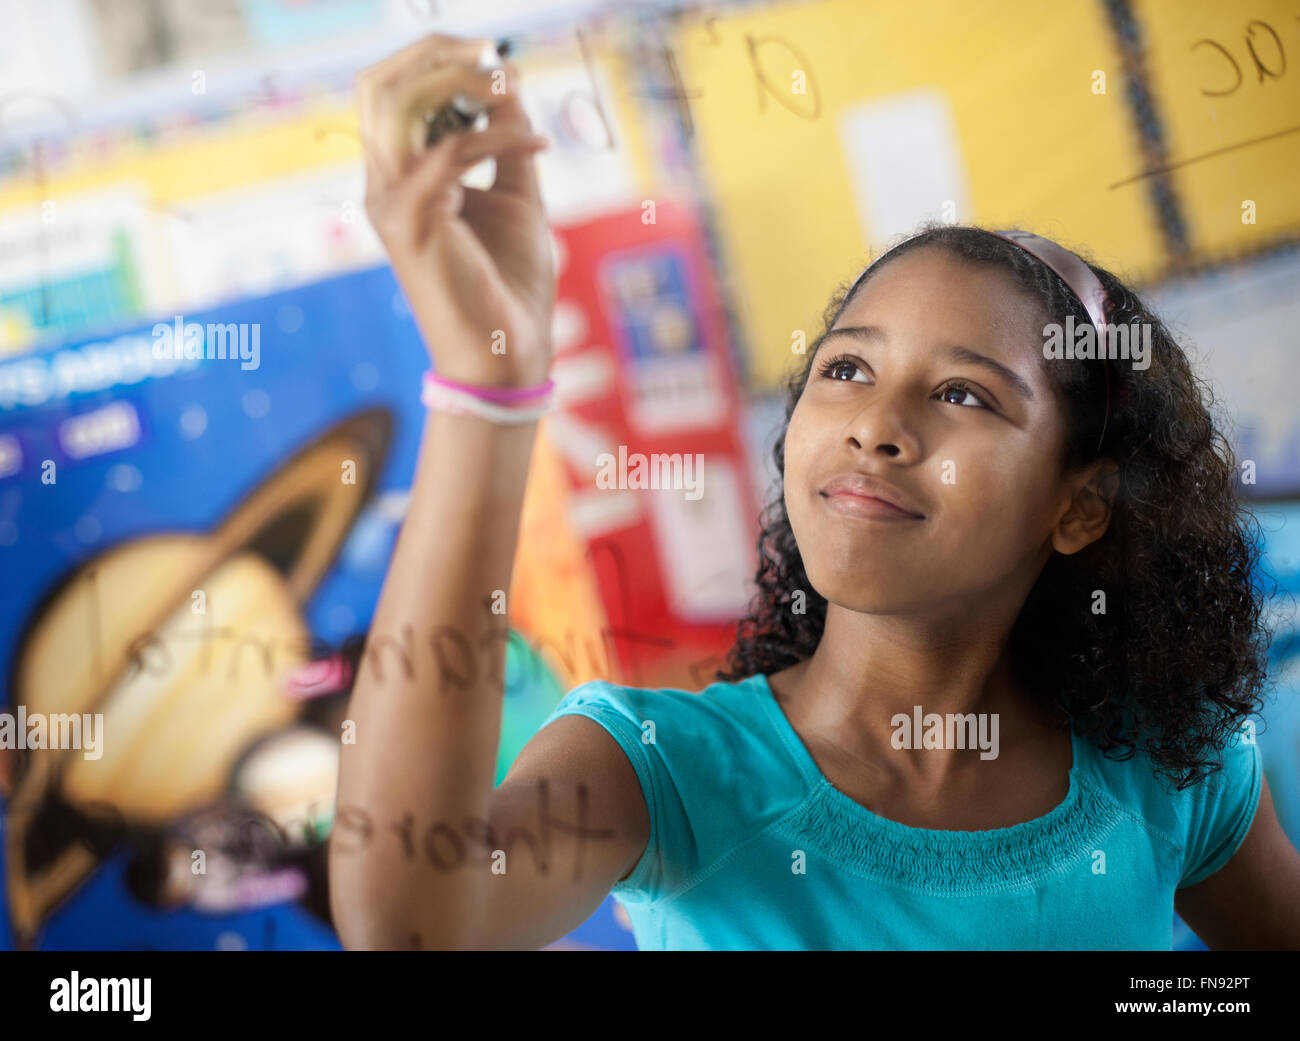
x=1082 y=282
x=1073 y=271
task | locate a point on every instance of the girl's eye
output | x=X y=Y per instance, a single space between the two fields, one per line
x=964 y=390
x=840 y=364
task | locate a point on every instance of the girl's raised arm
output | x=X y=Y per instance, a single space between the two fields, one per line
x=424 y=851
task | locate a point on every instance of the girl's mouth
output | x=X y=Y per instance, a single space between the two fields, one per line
x=865 y=507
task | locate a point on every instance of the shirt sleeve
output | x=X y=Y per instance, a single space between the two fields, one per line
x=1221 y=811
x=623 y=713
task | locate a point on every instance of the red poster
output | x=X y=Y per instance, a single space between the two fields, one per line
x=649 y=430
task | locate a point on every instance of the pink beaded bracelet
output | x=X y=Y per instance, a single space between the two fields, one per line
x=494 y=393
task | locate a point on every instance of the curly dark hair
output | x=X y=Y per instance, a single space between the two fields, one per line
x=1179 y=658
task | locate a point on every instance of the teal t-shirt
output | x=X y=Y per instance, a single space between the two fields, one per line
x=751 y=847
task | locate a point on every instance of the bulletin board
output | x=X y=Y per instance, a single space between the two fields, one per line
x=1227 y=78
x=1064 y=118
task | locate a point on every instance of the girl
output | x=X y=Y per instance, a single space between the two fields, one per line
x=996 y=686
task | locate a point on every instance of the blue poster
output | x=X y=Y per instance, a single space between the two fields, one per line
x=196 y=516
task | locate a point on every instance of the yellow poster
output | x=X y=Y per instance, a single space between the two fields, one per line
x=1228 y=82
x=830 y=130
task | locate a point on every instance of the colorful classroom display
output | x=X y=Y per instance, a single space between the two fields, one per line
x=191 y=545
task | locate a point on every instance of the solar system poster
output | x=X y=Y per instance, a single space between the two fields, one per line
x=187 y=543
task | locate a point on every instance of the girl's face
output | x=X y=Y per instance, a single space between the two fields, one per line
x=899 y=391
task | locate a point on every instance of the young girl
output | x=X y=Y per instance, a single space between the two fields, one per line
x=996 y=689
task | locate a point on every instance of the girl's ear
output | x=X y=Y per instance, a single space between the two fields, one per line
x=1087 y=514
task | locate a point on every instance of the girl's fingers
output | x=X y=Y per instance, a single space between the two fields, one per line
x=410 y=187
x=507 y=144
x=397 y=124
x=455 y=153
x=393 y=96
x=516 y=171
x=428 y=52
x=432 y=52
x=425 y=93
x=431 y=191
x=399 y=214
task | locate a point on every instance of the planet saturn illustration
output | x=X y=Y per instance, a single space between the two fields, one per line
x=180 y=642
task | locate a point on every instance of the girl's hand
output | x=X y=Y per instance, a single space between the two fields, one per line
x=476 y=266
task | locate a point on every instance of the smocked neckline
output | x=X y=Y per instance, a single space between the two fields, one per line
x=1023 y=832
